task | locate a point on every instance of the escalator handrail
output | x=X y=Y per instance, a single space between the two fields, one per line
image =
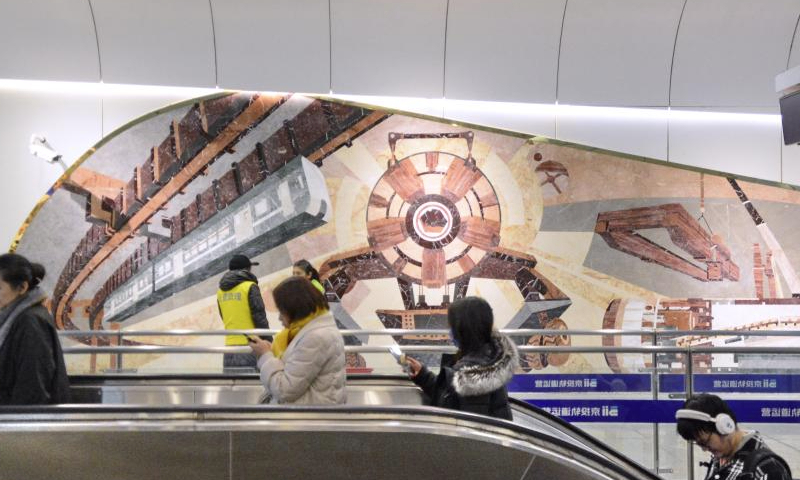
x=574 y=431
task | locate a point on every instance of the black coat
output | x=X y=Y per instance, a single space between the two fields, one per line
x=32 y=369
x=740 y=465
x=476 y=382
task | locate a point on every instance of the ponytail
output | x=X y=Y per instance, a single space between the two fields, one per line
x=38 y=273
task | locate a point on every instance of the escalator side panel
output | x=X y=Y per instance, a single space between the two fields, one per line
x=373 y=455
x=117 y=455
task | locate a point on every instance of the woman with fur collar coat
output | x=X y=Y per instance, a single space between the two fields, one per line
x=474 y=379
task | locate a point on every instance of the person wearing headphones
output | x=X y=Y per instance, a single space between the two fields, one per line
x=736 y=454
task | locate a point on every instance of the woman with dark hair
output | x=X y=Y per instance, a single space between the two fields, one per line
x=32 y=369
x=305 y=364
x=303 y=268
x=475 y=379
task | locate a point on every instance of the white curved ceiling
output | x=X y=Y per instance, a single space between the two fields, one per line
x=618 y=52
x=679 y=53
x=47 y=40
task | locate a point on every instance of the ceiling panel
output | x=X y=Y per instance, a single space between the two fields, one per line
x=156 y=43
x=734 y=144
x=794 y=55
x=385 y=47
x=273 y=45
x=617 y=52
x=729 y=51
x=46 y=40
x=794 y=58
x=504 y=50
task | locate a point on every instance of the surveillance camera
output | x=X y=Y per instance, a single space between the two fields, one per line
x=40 y=148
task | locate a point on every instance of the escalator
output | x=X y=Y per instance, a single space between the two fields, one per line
x=383 y=432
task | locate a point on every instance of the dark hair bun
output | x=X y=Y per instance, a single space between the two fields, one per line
x=38 y=274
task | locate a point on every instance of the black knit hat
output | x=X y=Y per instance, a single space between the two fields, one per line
x=240 y=262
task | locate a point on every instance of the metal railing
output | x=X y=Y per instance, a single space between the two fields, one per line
x=655 y=348
x=654 y=336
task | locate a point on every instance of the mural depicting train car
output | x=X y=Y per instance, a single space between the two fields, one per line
x=288 y=203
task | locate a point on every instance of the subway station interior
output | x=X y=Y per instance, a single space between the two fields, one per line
x=618 y=179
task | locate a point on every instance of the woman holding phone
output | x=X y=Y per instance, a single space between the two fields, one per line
x=475 y=379
x=305 y=364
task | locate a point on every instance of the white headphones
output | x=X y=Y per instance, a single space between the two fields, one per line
x=722 y=422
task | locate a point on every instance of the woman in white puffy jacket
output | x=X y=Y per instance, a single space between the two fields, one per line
x=305 y=363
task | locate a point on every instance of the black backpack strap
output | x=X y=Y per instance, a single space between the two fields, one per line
x=756 y=457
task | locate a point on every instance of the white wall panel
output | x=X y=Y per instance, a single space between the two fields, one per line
x=794 y=55
x=155 y=42
x=631 y=132
x=503 y=50
x=742 y=147
x=729 y=51
x=273 y=45
x=385 y=47
x=433 y=107
x=790 y=163
x=617 y=52
x=71 y=124
x=119 y=110
x=46 y=40
x=526 y=119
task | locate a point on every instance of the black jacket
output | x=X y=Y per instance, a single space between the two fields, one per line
x=257 y=310
x=32 y=369
x=476 y=382
x=770 y=468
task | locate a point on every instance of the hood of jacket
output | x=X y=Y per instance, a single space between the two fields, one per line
x=485 y=371
x=235 y=277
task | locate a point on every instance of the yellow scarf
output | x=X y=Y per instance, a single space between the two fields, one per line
x=283 y=338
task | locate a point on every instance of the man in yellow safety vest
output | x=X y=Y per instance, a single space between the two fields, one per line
x=241 y=308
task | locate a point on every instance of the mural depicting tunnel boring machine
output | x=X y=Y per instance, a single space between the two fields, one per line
x=402 y=216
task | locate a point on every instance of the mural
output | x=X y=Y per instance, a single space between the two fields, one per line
x=402 y=215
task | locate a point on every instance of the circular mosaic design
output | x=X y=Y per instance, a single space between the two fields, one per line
x=432 y=217
x=433 y=221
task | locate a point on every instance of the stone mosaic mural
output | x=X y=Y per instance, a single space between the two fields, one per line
x=401 y=215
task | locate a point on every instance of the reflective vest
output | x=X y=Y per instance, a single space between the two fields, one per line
x=235 y=308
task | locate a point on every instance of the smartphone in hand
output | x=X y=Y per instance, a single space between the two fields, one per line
x=250 y=339
x=398 y=354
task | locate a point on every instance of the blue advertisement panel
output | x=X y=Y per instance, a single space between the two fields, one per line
x=611 y=410
x=663 y=411
x=668 y=383
x=634 y=382
x=740 y=383
x=766 y=411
